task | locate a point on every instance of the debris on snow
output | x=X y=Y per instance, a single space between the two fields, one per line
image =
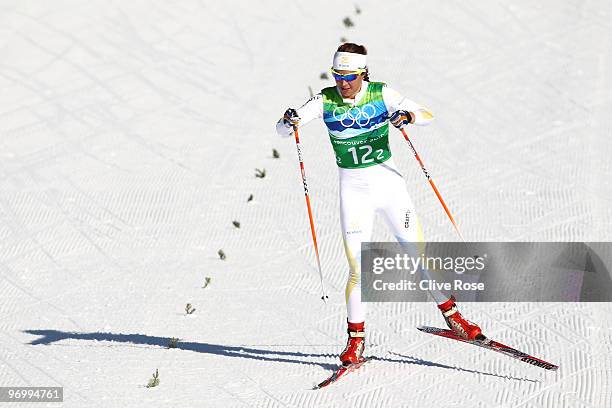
x=189 y=309
x=154 y=381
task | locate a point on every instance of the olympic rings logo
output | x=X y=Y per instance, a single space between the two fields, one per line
x=360 y=116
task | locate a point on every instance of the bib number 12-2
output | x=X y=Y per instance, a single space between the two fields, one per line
x=365 y=156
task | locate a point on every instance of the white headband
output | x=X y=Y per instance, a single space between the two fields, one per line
x=349 y=61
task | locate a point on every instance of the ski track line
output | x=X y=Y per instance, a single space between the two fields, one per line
x=47 y=374
x=541 y=391
x=425 y=370
x=14 y=369
x=446 y=355
x=85 y=284
x=63 y=313
x=168 y=65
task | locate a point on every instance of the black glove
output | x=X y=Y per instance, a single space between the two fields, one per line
x=291 y=118
x=400 y=118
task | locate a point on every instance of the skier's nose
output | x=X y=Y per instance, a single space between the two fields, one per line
x=344 y=84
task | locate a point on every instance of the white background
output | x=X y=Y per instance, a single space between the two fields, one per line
x=129 y=137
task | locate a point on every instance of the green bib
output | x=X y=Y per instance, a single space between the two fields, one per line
x=359 y=134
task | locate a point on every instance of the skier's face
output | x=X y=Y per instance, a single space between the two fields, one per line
x=348 y=89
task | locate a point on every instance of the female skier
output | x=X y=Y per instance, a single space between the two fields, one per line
x=357 y=114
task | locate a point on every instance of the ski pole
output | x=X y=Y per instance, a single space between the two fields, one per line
x=435 y=189
x=312 y=227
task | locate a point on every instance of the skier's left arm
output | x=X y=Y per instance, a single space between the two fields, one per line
x=395 y=102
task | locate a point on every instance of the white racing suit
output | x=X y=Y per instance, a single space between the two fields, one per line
x=369 y=179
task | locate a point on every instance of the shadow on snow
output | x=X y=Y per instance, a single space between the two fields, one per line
x=295 y=357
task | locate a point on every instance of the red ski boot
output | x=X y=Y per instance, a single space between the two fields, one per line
x=458 y=323
x=355 y=345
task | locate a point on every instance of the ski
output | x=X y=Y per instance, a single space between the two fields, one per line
x=340 y=372
x=491 y=345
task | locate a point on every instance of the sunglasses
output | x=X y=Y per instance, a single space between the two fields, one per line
x=347 y=77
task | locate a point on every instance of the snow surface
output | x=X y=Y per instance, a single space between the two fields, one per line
x=130 y=133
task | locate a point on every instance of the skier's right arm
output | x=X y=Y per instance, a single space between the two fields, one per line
x=312 y=109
